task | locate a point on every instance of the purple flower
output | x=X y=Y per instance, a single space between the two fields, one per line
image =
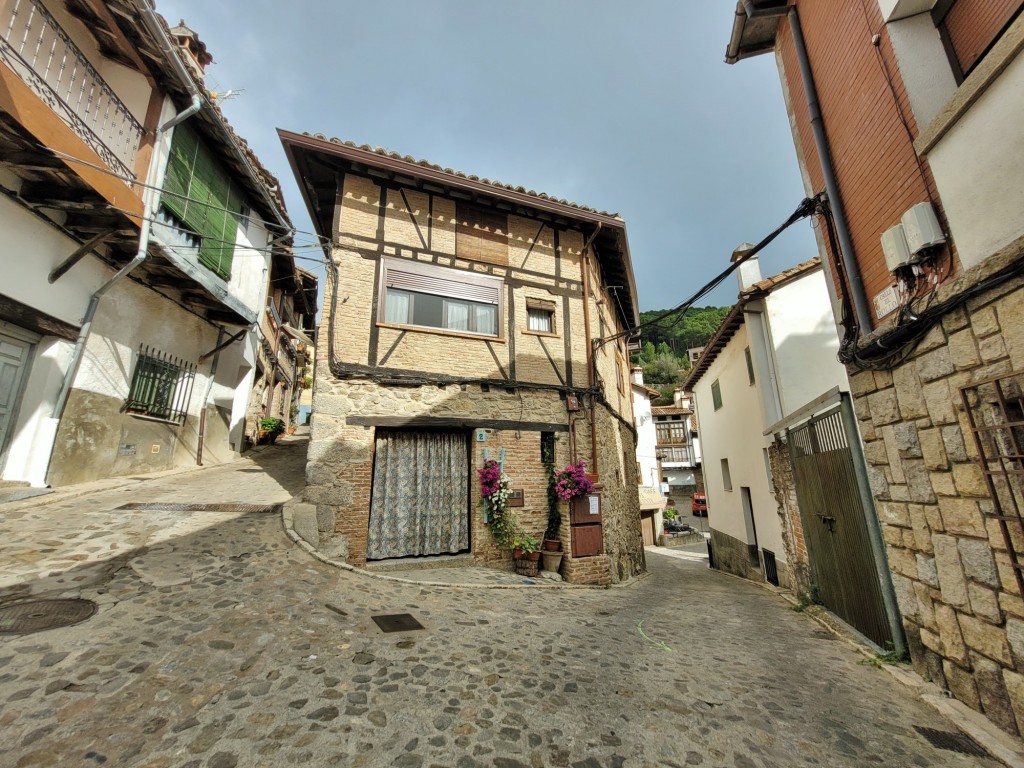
x=573 y=481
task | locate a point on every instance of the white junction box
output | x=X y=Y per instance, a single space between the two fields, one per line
x=895 y=248
x=921 y=228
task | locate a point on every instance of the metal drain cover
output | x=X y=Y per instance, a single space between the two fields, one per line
x=954 y=742
x=168 y=506
x=37 y=615
x=397 y=622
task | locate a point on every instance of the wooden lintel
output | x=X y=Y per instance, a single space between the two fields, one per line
x=124 y=45
x=468 y=422
x=32 y=319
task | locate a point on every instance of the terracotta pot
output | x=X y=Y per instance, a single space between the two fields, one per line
x=552 y=545
x=552 y=561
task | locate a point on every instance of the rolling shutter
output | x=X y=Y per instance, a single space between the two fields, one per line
x=454 y=285
x=973 y=26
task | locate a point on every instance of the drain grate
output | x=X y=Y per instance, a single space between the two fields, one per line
x=37 y=615
x=397 y=622
x=954 y=742
x=166 y=506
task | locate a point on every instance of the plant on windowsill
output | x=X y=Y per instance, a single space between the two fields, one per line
x=495 y=488
x=269 y=430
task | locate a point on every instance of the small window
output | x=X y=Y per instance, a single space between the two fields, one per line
x=716 y=394
x=750 y=365
x=428 y=296
x=540 y=320
x=161 y=387
x=726 y=476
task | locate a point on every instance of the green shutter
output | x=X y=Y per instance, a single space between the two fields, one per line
x=201 y=194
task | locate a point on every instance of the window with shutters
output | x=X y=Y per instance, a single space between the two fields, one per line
x=969 y=28
x=428 y=296
x=202 y=198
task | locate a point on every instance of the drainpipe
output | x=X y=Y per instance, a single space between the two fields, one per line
x=150 y=203
x=151 y=200
x=591 y=359
x=846 y=250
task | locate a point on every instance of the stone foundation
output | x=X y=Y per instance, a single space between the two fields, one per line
x=961 y=605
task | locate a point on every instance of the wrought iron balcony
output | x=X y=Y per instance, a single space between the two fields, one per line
x=35 y=46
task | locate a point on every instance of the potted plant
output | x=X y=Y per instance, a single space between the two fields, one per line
x=269 y=430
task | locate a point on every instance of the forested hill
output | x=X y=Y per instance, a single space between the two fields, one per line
x=680 y=334
x=664 y=344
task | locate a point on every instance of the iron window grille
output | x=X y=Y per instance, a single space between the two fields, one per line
x=995 y=413
x=161 y=387
x=771 y=569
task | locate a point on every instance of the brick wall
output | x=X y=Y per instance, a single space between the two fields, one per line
x=874 y=159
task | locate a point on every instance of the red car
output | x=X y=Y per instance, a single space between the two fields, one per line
x=699 y=505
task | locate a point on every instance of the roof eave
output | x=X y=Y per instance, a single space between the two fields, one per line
x=753 y=28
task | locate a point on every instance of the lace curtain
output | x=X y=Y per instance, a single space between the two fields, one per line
x=420 y=499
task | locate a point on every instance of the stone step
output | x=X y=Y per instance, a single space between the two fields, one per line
x=421 y=563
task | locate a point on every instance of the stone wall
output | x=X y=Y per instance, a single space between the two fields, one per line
x=962 y=609
x=789 y=517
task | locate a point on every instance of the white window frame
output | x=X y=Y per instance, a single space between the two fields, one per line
x=450 y=284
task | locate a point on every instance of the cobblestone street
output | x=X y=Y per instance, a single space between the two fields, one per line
x=218 y=643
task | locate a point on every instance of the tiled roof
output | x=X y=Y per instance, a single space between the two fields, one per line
x=458 y=174
x=669 y=410
x=762 y=287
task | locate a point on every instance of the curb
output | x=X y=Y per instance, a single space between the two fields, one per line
x=287 y=523
x=1000 y=745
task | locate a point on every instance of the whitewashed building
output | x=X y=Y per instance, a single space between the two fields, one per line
x=652 y=501
x=773 y=353
x=138 y=230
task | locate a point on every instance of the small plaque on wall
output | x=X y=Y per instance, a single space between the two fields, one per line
x=516 y=499
x=572 y=403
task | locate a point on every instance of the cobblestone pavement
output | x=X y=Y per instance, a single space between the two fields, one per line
x=219 y=643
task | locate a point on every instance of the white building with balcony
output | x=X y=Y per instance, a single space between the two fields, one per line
x=138 y=232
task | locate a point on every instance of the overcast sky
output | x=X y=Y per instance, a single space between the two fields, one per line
x=624 y=107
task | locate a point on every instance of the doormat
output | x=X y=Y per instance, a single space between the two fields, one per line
x=168 y=506
x=396 y=622
x=954 y=742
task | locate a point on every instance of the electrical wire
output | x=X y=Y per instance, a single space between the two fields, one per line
x=806 y=208
x=323 y=241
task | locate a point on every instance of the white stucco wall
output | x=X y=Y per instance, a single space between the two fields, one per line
x=978 y=166
x=647 y=440
x=734 y=432
x=804 y=342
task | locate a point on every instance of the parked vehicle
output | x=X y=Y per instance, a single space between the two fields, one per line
x=699 y=505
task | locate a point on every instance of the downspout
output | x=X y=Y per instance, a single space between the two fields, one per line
x=591 y=359
x=151 y=200
x=846 y=250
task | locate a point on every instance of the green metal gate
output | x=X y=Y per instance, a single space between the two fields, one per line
x=843 y=538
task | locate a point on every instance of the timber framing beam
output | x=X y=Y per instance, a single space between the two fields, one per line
x=455 y=423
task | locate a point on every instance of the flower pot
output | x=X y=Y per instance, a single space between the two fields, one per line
x=552 y=545
x=552 y=561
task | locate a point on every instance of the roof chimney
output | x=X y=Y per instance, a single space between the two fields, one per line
x=749 y=271
x=638 y=375
x=196 y=55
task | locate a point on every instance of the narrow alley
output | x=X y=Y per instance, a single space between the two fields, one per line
x=218 y=642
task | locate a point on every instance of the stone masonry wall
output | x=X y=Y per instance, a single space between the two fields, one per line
x=789 y=517
x=962 y=610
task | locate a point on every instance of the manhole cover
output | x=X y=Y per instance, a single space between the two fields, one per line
x=167 y=506
x=954 y=742
x=397 y=622
x=37 y=615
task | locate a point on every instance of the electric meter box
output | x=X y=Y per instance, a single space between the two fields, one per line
x=921 y=228
x=894 y=246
